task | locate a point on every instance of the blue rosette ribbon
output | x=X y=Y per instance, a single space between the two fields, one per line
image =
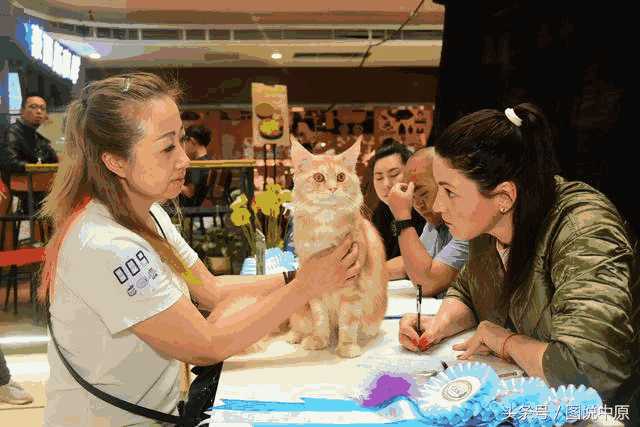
x=275 y=261
x=459 y=396
x=570 y=404
x=523 y=401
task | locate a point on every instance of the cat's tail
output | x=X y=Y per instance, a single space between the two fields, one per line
x=374 y=277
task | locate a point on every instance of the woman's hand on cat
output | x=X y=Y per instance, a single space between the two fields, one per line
x=400 y=200
x=330 y=269
x=408 y=335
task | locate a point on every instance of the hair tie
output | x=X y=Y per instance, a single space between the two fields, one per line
x=513 y=117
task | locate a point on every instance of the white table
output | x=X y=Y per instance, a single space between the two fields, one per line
x=286 y=373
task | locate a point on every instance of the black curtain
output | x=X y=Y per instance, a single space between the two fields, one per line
x=571 y=59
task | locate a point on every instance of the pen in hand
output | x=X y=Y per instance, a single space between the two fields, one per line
x=419 y=308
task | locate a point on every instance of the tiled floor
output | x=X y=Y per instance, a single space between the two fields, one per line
x=23 y=342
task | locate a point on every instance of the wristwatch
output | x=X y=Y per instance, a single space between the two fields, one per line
x=398 y=226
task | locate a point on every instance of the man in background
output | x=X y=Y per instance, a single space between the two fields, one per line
x=194 y=190
x=23 y=144
x=431 y=257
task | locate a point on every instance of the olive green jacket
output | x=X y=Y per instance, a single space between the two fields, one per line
x=577 y=296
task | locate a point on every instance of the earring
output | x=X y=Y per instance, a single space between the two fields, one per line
x=503 y=209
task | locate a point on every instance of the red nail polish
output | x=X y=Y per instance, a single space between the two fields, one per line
x=424 y=342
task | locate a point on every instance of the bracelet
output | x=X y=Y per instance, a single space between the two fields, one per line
x=504 y=343
x=288 y=276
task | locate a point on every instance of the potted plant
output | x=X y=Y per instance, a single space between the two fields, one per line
x=218 y=247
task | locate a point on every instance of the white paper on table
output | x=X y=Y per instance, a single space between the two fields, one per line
x=401 y=287
x=399 y=306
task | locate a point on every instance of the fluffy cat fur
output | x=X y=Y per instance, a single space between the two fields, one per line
x=327 y=203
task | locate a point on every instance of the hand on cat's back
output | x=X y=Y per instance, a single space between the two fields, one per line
x=330 y=269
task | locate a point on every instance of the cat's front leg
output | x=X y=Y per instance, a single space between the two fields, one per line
x=321 y=333
x=349 y=319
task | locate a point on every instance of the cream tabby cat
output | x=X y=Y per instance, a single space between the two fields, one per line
x=327 y=203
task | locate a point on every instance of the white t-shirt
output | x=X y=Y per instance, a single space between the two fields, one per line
x=108 y=279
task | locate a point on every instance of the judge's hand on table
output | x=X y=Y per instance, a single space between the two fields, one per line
x=488 y=338
x=409 y=337
x=330 y=269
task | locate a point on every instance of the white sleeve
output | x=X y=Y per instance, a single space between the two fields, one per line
x=184 y=251
x=120 y=278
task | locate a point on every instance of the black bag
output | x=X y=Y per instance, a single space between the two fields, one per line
x=202 y=392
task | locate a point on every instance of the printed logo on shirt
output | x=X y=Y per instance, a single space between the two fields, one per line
x=142 y=282
x=152 y=273
x=131 y=268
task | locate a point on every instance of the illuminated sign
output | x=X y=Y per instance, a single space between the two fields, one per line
x=60 y=59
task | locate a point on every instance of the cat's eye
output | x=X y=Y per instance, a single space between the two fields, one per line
x=340 y=177
x=318 y=177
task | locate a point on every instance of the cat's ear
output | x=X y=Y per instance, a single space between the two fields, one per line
x=300 y=156
x=350 y=157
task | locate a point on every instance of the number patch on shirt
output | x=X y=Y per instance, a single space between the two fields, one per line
x=131 y=269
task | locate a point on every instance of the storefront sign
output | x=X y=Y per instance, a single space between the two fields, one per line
x=44 y=48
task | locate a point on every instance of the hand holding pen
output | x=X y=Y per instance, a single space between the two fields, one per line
x=419 y=309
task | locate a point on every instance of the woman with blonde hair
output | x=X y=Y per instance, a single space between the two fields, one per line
x=119 y=277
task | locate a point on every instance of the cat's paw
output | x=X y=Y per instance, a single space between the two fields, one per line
x=349 y=350
x=294 y=337
x=370 y=331
x=314 y=343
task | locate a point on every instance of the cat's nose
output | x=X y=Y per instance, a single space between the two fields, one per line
x=333 y=189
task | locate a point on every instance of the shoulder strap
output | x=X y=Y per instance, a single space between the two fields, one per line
x=158 y=224
x=119 y=403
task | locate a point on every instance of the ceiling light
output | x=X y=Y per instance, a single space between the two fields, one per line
x=276 y=55
x=95 y=55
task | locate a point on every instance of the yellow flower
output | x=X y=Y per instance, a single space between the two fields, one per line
x=240 y=216
x=274 y=188
x=240 y=201
x=268 y=203
x=285 y=196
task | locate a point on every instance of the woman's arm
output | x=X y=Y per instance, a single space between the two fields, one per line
x=213 y=289
x=526 y=352
x=181 y=332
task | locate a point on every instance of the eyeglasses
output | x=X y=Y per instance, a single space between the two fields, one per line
x=37 y=107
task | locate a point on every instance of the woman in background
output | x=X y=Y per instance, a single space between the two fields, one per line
x=387 y=167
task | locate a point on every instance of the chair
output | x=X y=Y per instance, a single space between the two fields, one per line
x=216 y=204
x=26 y=185
x=14 y=259
x=15 y=253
